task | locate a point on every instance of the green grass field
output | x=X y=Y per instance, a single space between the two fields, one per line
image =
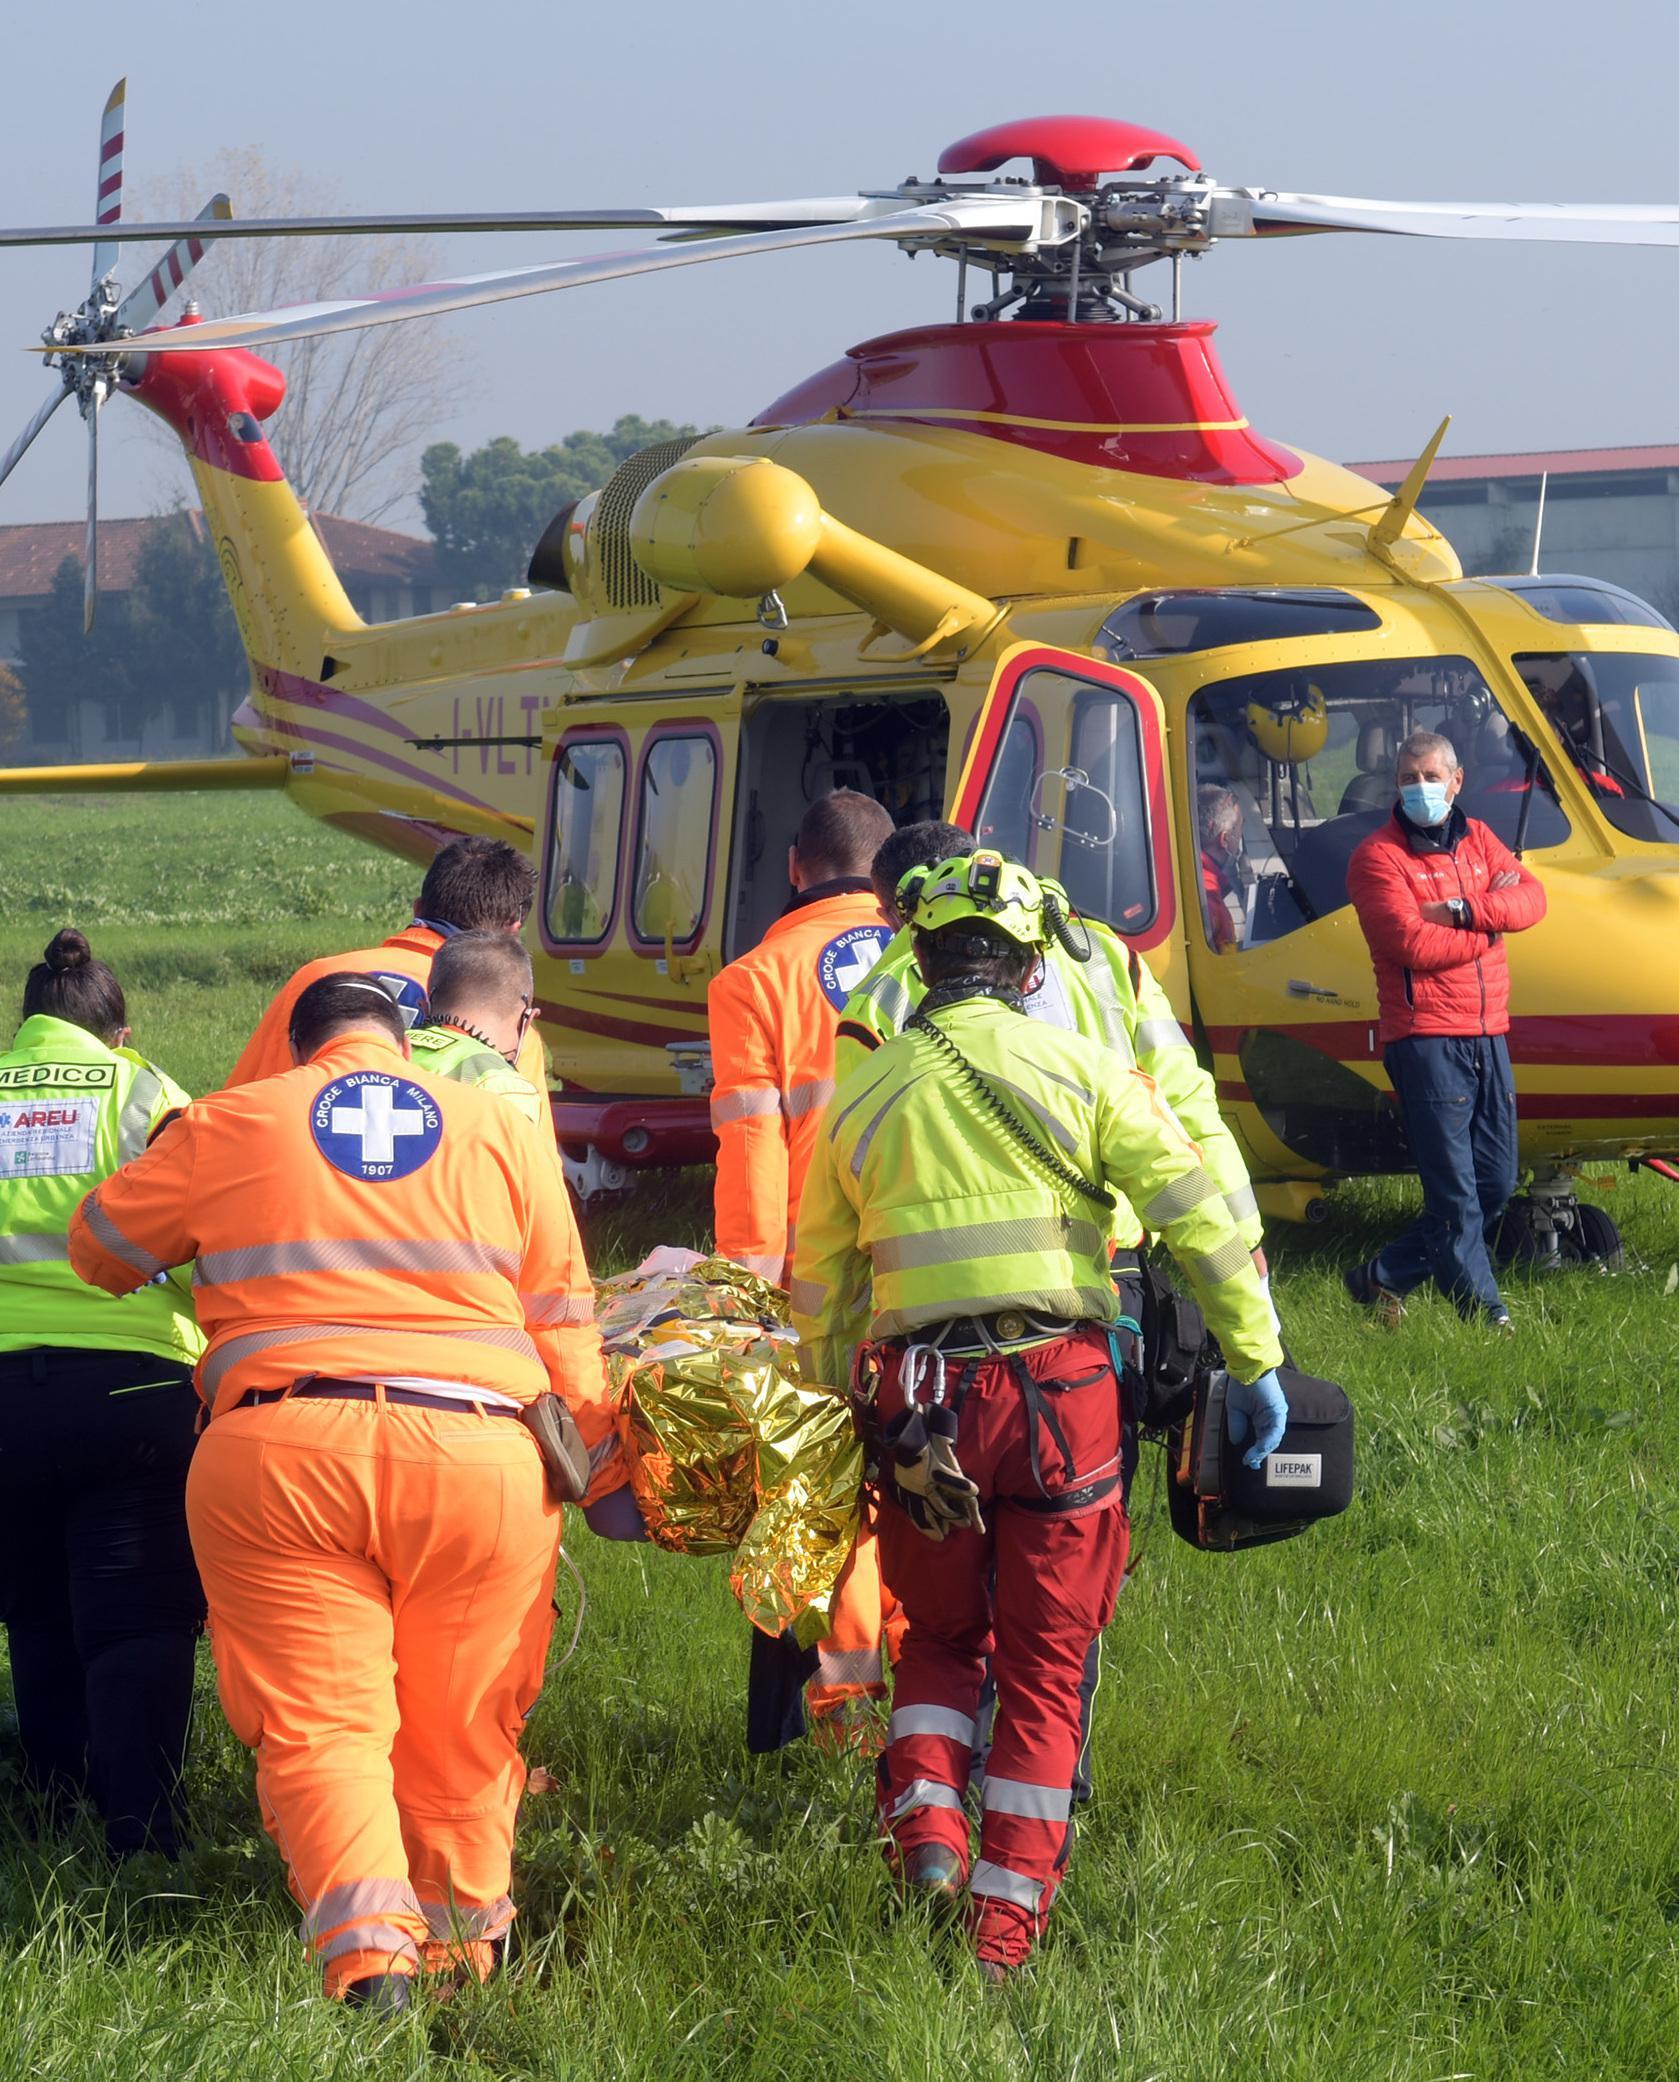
x=1394 y=1800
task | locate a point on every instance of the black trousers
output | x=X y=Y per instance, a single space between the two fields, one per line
x=98 y=1589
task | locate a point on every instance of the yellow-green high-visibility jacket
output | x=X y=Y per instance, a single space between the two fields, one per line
x=445 y=1051
x=72 y=1111
x=1113 y=998
x=920 y=1206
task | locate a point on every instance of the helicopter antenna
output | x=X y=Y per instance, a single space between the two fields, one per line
x=1539 y=523
x=1387 y=530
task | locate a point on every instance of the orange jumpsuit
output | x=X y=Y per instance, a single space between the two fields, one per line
x=773 y=1015
x=378 y=1570
x=404 y=959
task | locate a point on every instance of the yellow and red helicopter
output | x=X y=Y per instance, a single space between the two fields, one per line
x=1032 y=570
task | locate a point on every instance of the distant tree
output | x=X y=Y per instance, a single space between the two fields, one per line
x=171 y=638
x=357 y=404
x=14 y=709
x=486 y=510
x=1511 y=549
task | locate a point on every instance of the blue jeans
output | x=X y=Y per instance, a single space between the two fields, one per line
x=1458 y=1102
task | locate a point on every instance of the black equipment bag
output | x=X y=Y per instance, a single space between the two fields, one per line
x=1216 y=1503
x=1174 y=1337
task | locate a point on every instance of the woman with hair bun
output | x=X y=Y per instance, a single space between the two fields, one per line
x=98 y=1590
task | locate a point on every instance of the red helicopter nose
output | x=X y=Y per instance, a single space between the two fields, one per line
x=1066 y=151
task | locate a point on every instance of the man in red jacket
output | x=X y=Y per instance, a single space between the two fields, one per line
x=1435 y=893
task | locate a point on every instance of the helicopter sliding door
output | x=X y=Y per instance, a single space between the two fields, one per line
x=1065 y=771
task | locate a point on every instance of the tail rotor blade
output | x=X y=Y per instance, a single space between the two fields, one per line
x=141 y=306
x=14 y=455
x=107 y=202
x=90 y=544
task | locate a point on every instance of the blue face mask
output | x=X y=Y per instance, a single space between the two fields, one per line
x=1425 y=802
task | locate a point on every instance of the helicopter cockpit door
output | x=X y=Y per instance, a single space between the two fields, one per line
x=1064 y=769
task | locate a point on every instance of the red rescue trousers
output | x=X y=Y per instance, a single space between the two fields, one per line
x=378 y=1578
x=1032 y=1592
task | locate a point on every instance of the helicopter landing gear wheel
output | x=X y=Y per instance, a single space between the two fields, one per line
x=1550 y=1227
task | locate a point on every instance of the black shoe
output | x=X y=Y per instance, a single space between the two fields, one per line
x=1362 y=1284
x=386 y=1995
x=934 y=1871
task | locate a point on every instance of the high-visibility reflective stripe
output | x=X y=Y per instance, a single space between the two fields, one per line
x=1242 y=1204
x=1067 y=1085
x=1177 y=1197
x=353 y=1901
x=134 y=1123
x=214 y=1366
x=446 y=1919
x=1102 y=988
x=922 y=1792
x=369 y=1937
x=1231 y=1257
x=807 y=1297
x=603 y=1450
x=763 y=1266
x=1070 y=1304
x=751 y=1102
x=807 y=1098
x=1017 y=1796
x=263 y=1261
x=1153 y=1035
x=115 y=1242
x=1046 y=1120
x=930 y=1720
x=984 y=1240
x=889 y=998
x=848 y=1666
x=839 y=1120
x=868 y=1134
x=558 y=1311
x=999 y=1884
x=34 y=1250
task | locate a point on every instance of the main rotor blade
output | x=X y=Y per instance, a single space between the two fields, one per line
x=1005 y=221
x=107 y=201
x=143 y=303
x=1582 y=223
x=754 y=216
x=90 y=543
x=14 y=455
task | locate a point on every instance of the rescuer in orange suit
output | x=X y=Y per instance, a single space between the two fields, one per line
x=387 y=1274
x=472 y=885
x=773 y=1013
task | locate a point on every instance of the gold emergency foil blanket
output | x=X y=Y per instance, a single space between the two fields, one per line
x=729 y=1451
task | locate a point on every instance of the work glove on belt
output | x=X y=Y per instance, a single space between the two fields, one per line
x=931 y=1486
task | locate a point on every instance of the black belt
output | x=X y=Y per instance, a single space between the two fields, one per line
x=1011 y=1327
x=325 y=1386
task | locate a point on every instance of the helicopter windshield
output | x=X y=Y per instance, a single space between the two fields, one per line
x=1292 y=769
x=1616 y=715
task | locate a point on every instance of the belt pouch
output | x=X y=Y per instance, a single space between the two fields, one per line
x=565 y=1458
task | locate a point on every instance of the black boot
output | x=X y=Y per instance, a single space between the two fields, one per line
x=384 y=1994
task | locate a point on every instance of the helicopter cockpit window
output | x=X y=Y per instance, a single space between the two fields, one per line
x=586 y=815
x=1583 y=601
x=1162 y=625
x=1005 y=817
x=1292 y=769
x=673 y=848
x=1616 y=715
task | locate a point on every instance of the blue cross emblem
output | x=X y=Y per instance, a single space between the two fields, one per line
x=844 y=962
x=371 y=1126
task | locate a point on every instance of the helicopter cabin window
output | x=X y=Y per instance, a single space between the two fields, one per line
x=1290 y=770
x=1583 y=601
x=1164 y=625
x=585 y=818
x=673 y=847
x=1615 y=714
x=1085 y=822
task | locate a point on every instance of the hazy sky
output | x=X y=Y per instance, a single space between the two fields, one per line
x=1350 y=347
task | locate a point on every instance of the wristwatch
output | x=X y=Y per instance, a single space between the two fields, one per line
x=1459 y=907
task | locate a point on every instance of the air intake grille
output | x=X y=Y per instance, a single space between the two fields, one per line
x=622 y=578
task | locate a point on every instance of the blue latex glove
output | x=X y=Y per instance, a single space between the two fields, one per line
x=1263 y=1401
x=617 y=1516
